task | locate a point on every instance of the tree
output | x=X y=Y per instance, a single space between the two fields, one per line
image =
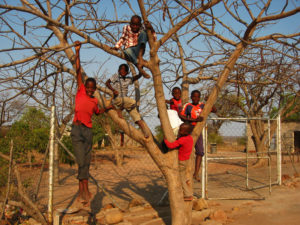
x=269 y=76
x=47 y=29
x=10 y=109
x=30 y=132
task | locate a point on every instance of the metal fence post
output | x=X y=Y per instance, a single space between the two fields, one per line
x=247 y=159
x=51 y=160
x=203 y=174
x=279 y=150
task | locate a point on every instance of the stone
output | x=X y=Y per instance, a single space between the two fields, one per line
x=108 y=206
x=155 y=221
x=201 y=215
x=32 y=221
x=136 y=208
x=78 y=220
x=219 y=215
x=200 y=204
x=213 y=203
x=114 y=217
x=135 y=202
x=210 y=222
x=235 y=209
x=285 y=177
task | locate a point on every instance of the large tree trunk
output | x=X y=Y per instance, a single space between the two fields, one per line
x=259 y=138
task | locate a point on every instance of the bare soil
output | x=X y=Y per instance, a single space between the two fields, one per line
x=139 y=178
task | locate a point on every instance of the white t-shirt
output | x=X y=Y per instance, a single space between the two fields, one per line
x=175 y=121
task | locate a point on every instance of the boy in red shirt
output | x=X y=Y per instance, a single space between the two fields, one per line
x=175 y=102
x=185 y=144
x=82 y=137
x=191 y=113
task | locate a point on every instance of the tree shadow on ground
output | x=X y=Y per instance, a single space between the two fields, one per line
x=68 y=172
x=151 y=191
x=95 y=207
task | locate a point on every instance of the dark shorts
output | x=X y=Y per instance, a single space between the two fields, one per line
x=82 y=140
x=199 y=146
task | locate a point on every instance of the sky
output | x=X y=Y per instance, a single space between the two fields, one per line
x=107 y=65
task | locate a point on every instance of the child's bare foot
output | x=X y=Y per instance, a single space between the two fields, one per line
x=197 y=178
x=80 y=199
x=140 y=64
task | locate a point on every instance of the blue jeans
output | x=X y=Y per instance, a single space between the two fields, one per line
x=132 y=53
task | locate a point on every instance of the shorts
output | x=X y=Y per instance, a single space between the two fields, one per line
x=199 y=146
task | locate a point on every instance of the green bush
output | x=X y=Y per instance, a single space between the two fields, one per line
x=63 y=155
x=242 y=140
x=159 y=135
x=29 y=133
x=3 y=172
x=215 y=138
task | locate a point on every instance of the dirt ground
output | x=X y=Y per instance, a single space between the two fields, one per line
x=282 y=206
x=139 y=178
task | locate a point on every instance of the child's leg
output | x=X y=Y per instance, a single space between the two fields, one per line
x=129 y=105
x=187 y=189
x=135 y=54
x=199 y=154
x=87 y=161
x=81 y=152
x=143 y=38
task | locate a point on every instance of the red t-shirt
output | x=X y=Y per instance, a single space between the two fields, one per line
x=176 y=104
x=185 y=145
x=85 y=106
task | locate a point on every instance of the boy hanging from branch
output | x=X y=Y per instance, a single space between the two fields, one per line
x=82 y=137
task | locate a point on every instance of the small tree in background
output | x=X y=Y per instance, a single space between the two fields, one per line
x=29 y=133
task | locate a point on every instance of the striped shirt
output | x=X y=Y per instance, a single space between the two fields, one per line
x=129 y=38
x=121 y=84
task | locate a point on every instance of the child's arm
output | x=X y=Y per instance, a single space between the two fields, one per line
x=185 y=115
x=136 y=77
x=103 y=110
x=120 y=43
x=168 y=101
x=149 y=26
x=188 y=119
x=213 y=109
x=78 y=65
x=173 y=145
x=108 y=84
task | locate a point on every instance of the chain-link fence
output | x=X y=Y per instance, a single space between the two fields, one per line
x=228 y=170
x=121 y=174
